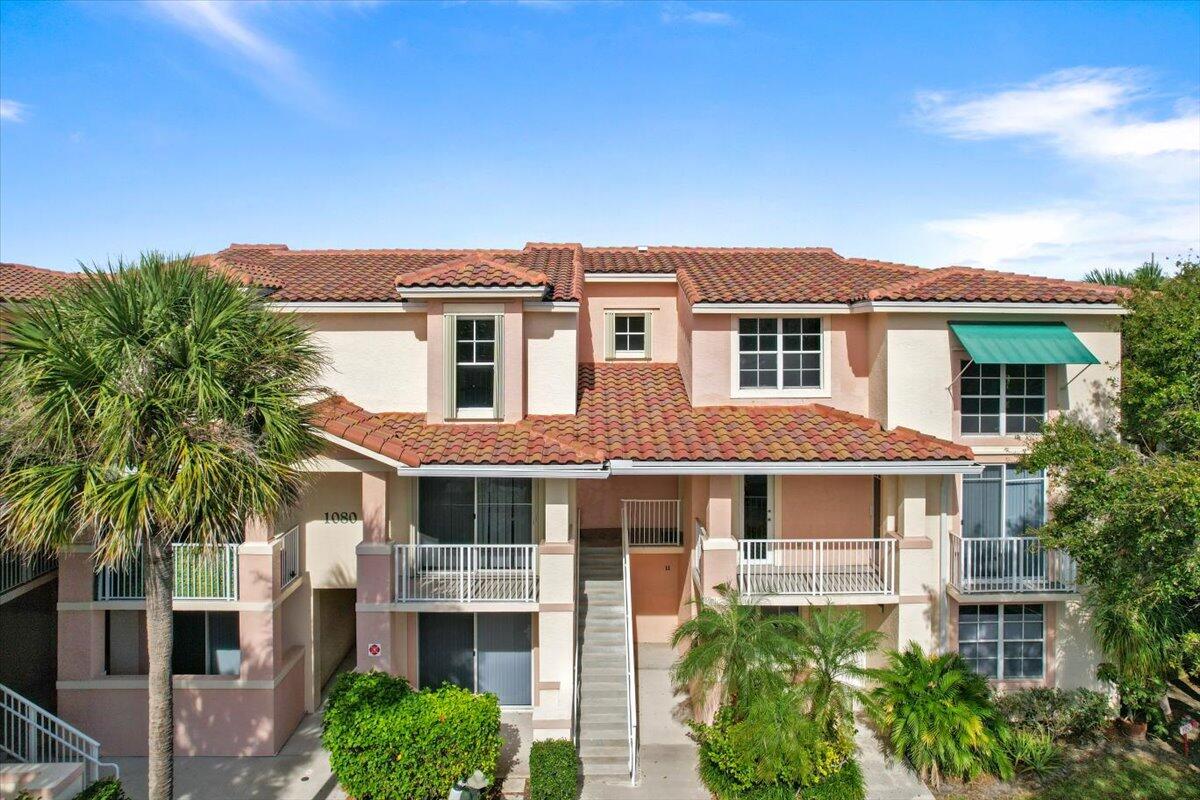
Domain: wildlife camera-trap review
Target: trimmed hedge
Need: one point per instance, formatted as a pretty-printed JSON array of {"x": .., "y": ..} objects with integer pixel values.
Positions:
[
  {"x": 107, "y": 789},
  {"x": 553, "y": 770},
  {"x": 388, "y": 742},
  {"x": 1076, "y": 714}
]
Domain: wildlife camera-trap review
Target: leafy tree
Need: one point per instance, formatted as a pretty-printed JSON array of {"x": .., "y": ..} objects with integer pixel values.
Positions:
[
  {"x": 146, "y": 405},
  {"x": 1160, "y": 381},
  {"x": 831, "y": 646},
  {"x": 735, "y": 648},
  {"x": 936, "y": 713}
]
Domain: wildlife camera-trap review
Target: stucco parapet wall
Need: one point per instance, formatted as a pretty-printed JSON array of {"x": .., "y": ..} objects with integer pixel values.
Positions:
[
  {"x": 375, "y": 548},
  {"x": 914, "y": 542},
  {"x": 437, "y": 607},
  {"x": 190, "y": 605},
  {"x": 720, "y": 543},
  {"x": 829, "y": 599},
  {"x": 294, "y": 656}
]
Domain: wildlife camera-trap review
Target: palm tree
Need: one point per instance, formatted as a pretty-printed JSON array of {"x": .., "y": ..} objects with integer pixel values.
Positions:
[
  {"x": 936, "y": 713},
  {"x": 150, "y": 404},
  {"x": 831, "y": 647},
  {"x": 733, "y": 646},
  {"x": 1149, "y": 275}
]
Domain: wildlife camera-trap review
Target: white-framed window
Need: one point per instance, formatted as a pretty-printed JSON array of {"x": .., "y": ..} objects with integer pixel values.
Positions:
[
  {"x": 475, "y": 366},
  {"x": 627, "y": 334},
  {"x": 786, "y": 356},
  {"x": 1004, "y": 642},
  {"x": 1002, "y": 399}
]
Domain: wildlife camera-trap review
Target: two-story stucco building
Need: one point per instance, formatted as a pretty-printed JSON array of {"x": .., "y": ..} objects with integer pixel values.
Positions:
[{"x": 538, "y": 458}]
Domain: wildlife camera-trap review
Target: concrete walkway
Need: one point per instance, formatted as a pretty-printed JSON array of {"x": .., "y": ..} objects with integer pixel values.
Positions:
[
  {"x": 885, "y": 778},
  {"x": 667, "y": 758}
]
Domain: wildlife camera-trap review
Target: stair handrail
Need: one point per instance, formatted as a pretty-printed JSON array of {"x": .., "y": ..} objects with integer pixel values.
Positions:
[
  {"x": 630, "y": 659},
  {"x": 45, "y": 738},
  {"x": 575, "y": 670}
]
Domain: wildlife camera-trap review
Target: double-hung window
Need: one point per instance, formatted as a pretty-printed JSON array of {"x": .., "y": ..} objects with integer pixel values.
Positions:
[
  {"x": 475, "y": 373},
  {"x": 1003, "y": 642},
  {"x": 779, "y": 353},
  {"x": 1002, "y": 399},
  {"x": 628, "y": 334}
]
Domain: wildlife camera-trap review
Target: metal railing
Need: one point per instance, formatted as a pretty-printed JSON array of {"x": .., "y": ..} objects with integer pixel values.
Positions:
[
  {"x": 1010, "y": 564},
  {"x": 651, "y": 523},
  {"x": 630, "y": 659},
  {"x": 16, "y": 571},
  {"x": 201, "y": 573},
  {"x": 576, "y": 668},
  {"x": 816, "y": 566},
  {"x": 30, "y": 734},
  {"x": 289, "y": 557},
  {"x": 466, "y": 572}
]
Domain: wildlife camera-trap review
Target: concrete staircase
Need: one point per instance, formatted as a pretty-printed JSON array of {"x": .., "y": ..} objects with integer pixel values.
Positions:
[{"x": 603, "y": 693}]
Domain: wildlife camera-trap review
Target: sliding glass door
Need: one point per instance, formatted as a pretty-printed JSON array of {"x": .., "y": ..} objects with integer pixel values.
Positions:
[
  {"x": 476, "y": 510},
  {"x": 481, "y": 652}
]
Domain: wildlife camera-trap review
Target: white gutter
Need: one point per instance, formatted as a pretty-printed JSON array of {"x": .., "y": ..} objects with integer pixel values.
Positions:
[
  {"x": 770, "y": 308},
  {"x": 508, "y": 470},
  {"x": 629, "y": 467},
  {"x": 557, "y": 306},
  {"x": 342, "y": 307}
]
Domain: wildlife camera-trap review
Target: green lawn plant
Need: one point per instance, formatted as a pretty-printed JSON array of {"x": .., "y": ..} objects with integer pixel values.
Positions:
[
  {"x": 832, "y": 648},
  {"x": 388, "y": 742},
  {"x": 1072, "y": 715},
  {"x": 553, "y": 770},
  {"x": 936, "y": 713}
]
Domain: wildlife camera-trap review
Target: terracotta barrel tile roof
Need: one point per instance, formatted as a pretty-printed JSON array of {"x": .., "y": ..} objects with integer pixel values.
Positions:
[
  {"x": 477, "y": 270},
  {"x": 969, "y": 284},
  {"x": 639, "y": 412},
  {"x": 19, "y": 282}
]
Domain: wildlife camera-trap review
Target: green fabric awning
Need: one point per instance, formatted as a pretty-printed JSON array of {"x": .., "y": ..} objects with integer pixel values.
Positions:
[{"x": 1022, "y": 343}]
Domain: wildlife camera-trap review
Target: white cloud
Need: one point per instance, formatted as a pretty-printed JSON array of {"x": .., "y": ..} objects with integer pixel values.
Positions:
[
  {"x": 222, "y": 26},
  {"x": 1084, "y": 113},
  {"x": 12, "y": 111},
  {"x": 679, "y": 13},
  {"x": 1141, "y": 173}
]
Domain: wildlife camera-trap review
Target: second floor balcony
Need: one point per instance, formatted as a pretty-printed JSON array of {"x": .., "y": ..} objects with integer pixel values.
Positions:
[
  {"x": 816, "y": 567},
  {"x": 466, "y": 573},
  {"x": 1010, "y": 564},
  {"x": 200, "y": 574}
]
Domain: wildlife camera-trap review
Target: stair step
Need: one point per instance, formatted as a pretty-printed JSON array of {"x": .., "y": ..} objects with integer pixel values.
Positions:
[
  {"x": 602, "y": 731},
  {"x": 616, "y": 748},
  {"x": 603, "y": 718},
  {"x": 601, "y": 765}
]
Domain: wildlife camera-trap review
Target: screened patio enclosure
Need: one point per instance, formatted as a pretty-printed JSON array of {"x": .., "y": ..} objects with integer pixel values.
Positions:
[{"x": 475, "y": 542}]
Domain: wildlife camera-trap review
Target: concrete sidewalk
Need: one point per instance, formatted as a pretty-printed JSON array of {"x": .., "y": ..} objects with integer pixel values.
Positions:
[{"x": 885, "y": 778}]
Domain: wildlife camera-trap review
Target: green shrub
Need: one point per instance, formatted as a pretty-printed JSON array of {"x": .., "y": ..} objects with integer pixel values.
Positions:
[
  {"x": 107, "y": 789},
  {"x": 1075, "y": 715},
  {"x": 774, "y": 751},
  {"x": 553, "y": 770},
  {"x": 1030, "y": 752},
  {"x": 388, "y": 742},
  {"x": 936, "y": 713},
  {"x": 845, "y": 784}
]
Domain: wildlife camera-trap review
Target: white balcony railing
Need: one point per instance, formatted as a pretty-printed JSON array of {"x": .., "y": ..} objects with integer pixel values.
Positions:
[
  {"x": 200, "y": 574},
  {"x": 466, "y": 572},
  {"x": 16, "y": 571},
  {"x": 1010, "y": 564},
  {"x": 651, "y": 523},
  {"x": 816, "y": 566},
  {"x": 289, "y": 557}
]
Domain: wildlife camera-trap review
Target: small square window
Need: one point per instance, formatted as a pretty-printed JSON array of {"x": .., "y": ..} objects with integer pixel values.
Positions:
[{"x": 630, "y": 335}]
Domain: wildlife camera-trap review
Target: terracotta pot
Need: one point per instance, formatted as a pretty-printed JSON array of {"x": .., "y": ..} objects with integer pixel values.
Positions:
[{"x": 1132, "y": 730}]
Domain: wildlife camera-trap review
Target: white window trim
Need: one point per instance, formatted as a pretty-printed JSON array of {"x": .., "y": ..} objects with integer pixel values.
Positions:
[
  {"x": 611, "y": 353},
  {"x": 1000, "y": 676},
  {"x": 1046, "y": 374},
  {"x": 450, "y": 352},
  {"x": 735, "y": 389}
]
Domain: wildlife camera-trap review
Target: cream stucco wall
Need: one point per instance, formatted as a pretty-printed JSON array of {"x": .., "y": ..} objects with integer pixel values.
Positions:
[
  {"x": 329, "y": 546},
  {"x": 375, "y": 360},
  {"x": 550, "y": 362}
]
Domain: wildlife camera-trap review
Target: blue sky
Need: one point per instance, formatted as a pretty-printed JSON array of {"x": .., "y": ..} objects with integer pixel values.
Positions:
[{"x": 1033, "y": 137}]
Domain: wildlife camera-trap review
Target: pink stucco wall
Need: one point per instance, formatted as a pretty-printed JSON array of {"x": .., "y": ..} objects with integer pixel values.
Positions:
[
  {"x": 658, "y": 298},
  {"x": 656, "y": 584},
  {"x": 825, "y": 506},
  {"x": 849, "y": 365},
  {"x": 683, "y": 348},
  {"x": 600, "y": 501}
]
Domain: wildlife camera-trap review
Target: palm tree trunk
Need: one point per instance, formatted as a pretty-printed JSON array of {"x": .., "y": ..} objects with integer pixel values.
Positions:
[{"x": 160, "y": 574}]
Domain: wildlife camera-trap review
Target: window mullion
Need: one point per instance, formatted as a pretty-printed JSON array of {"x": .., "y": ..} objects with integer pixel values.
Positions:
[{"x": 779, "y": 353}]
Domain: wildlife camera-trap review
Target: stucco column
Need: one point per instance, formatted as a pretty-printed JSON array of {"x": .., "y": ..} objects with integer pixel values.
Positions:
[
  {"x": 376, "y": 568},
  {"x": 720, "y": 551},
  {"x": 80, "y": 633},
  {"x": 555, "y": 629},
  {"x": 513, "y": 342},
  {"x": 918, "y": 565},
  {"x": 435, "y": 378}
]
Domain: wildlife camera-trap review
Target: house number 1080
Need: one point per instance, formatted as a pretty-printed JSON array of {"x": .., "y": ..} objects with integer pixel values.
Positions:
[{"x": 341, "y": 516}]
